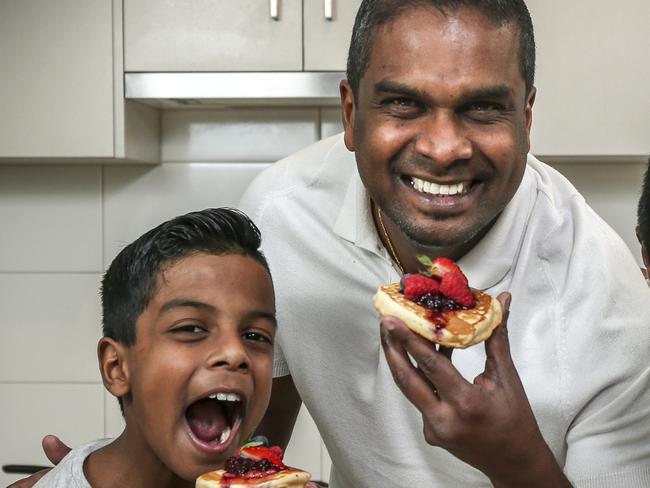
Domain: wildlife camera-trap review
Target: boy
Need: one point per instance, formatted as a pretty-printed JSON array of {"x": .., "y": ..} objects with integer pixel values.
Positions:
[
  {"x": 188, "y": 325},
  {"x": 643, "y": 222}
]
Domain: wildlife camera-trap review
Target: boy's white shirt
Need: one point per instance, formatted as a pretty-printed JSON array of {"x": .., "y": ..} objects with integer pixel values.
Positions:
[{"x": 69, "y": 472}]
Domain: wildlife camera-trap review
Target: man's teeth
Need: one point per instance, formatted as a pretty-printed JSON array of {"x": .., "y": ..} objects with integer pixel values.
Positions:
[
  {"x": 224, "y": 435},
  {"x": 225, "y": 397},
  {"x": 436, "y": 189}
]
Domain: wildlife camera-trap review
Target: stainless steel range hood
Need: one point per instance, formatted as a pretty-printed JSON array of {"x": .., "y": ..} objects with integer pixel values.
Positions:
[{"x": 174, "y": 90}]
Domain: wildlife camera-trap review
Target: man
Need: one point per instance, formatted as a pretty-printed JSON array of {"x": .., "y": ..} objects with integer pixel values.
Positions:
[
  {"x": 643, "y": 222},
  {"x": 437, "y": 111}
]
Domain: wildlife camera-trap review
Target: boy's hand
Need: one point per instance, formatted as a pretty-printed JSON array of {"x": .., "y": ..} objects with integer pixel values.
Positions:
[
  {"x": 55, "y": 450},
  {"x": 489, "y": 423}
]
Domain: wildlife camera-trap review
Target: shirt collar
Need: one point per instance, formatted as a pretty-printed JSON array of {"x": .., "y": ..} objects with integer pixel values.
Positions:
[
  {"x": 488, "y": 263},
  {"x": 485, "y": 265},
  {"x": 354, "y": 222}
]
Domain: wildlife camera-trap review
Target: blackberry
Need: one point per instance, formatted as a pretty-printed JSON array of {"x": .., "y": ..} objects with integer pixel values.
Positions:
[
  {"x": 241, "y": 465},
  {"x": 437, "y": 302},
  {"x": 449, "y": 304},
  {"x": 427, "y": 300}
]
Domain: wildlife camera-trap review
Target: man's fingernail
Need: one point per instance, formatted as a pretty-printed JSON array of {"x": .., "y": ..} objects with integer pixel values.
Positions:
[{"x": 387, "y": 324}]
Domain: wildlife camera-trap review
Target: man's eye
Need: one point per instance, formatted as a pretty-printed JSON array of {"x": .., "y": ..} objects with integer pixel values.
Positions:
[
  {"x": 402, "y": 106},
  {"x": 402, "y": 102},
  {"x": 257, "y": 337},
  {"x": 484, "y": 107}
]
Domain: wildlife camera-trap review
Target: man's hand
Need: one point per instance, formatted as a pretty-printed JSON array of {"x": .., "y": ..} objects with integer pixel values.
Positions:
[
  {"x": 488, "y": 423},
  {"x": 55, "y": 450}
]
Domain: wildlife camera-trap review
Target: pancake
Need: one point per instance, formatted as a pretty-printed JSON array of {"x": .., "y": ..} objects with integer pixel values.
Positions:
[
  {"x": 459, "y": 328},
  {"x": 287, "y": 478}
]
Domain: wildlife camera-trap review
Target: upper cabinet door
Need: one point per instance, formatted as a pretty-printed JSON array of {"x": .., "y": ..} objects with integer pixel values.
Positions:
[
  {"x": 212, "y": 35},
  {"x": 56, "y": 78},
  {"x": 593, "y": 74},
  {"x": 328, "y": 27}
]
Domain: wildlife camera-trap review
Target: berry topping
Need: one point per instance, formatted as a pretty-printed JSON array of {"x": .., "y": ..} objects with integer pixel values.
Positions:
[
  {"x": 254, "y": 461},
  {"x": 416, "y": 285},
  {"x": 454, "y": 286},
  {"x": 438, "y": 302},
  {"x": 439, "y": 267},
  {"x": 245, "y": 466},
  {"x": 273, "y": 454}
]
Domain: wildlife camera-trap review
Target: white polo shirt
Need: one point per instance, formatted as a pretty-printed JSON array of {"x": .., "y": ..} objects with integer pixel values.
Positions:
[{"x": 579, "y": 325}]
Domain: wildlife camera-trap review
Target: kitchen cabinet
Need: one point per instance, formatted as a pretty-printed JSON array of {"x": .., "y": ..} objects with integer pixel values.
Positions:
[
  {"x": 593, "y": 73},
  {"x": 246, "y": 35},
  {"x": 61, "y": 84},
  {"x": 212, "y": 35},
  {"x": 328, "y": 27}
]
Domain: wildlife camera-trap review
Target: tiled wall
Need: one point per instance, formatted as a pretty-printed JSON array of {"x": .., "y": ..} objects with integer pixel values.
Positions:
[{"x": 62, "y": 224}]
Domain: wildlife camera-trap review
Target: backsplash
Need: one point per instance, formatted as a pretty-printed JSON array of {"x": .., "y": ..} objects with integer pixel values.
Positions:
[{"x": 62, "y": 225}]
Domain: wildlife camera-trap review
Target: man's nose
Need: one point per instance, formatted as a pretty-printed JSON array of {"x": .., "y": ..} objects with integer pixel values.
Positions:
[
  {"x": 442, "y": 139},
  {"x": 229, "y": 352}
]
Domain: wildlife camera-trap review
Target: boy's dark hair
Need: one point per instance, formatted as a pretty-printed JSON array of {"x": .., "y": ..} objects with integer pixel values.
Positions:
[
  {"x": 643, "y": 210},
  {"x": 132, "y": 278},
  {"x": 374, "y": 13}
]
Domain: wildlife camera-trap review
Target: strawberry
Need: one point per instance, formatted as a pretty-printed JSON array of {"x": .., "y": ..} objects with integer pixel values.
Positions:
[
  {"x": 454, "y": 286},
  {"x": 415, "y": 285},
  {"x": 439, "y": 267},
  {"x": 272, "y": 454}
]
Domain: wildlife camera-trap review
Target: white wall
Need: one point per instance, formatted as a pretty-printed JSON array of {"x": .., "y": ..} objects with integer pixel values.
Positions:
[{"x": 62, "y": 224}]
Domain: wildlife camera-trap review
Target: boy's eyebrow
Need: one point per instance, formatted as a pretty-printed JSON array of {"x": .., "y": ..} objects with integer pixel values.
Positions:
[
  {"x": 489, "y": 92},
  {"x": 263, "y": 315},
  {"x": 185, "y": 302}
]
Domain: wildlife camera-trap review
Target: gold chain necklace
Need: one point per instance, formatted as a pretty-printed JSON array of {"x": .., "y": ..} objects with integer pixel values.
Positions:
[{"x": 391, "y": 249}]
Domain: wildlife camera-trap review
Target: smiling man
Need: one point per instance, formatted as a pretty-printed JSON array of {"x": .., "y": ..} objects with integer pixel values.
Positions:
[{"x": 437, "y": 111}]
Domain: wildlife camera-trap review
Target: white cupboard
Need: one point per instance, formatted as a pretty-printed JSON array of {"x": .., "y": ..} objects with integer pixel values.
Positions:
[
  {"x": 212, "y": 35},
  {"x": 246, "y": 35},
  {"x": 60, "y": 84},
  {"x": 328, "y": 27},
  {"x": 593, "y": 74}
]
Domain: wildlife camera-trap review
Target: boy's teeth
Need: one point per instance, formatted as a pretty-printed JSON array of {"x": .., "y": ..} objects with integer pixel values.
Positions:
[
  {"x": 225, "y": 397},
  {"x": 436, "y": 189},
  {"x": 224, "y": 435}
]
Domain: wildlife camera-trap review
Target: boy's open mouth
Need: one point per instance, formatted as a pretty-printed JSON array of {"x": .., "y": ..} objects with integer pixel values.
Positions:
[{"x": 214, "y": 419}]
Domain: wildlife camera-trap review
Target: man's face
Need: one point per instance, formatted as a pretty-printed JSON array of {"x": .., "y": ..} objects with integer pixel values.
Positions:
[
  {"x": 441, "y": 123},
  {"x": 208, "y": 331}
]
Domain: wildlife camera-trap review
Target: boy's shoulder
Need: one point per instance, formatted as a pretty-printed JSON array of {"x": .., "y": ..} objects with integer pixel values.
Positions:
[{"x": 69, "y": 472}]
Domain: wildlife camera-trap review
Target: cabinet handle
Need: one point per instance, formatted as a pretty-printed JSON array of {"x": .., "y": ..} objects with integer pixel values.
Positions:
[
  {"x": 327, "y": 6},
  {"x": 274, "y": 9}
]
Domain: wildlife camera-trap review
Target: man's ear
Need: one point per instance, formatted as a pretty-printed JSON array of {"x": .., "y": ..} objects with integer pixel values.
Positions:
[
  {"x": 348, "y": 108},
  {"x": 530, "y": 101},
  {"x": 113, "y": 366}
]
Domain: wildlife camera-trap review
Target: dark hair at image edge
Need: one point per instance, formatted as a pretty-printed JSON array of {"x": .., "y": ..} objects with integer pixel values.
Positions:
[
  {"x": 374, "y": 13},
  {"x": 643, "y": 210},
  {"x": 132, "y": 278}
]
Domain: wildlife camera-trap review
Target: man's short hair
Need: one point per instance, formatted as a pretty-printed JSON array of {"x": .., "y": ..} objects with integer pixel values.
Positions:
[
  {"x": 133, "y": 277},
  {"x": 643, "y": 210},
  {"x": 374, "y": 13}
]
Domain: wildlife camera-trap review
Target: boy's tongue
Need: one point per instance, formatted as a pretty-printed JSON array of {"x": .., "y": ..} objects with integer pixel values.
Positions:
[{"x": 207, "y": 419}]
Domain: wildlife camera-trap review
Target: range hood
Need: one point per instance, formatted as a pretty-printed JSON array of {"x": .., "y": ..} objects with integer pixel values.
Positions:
[{"x": 176, "y": 90}]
